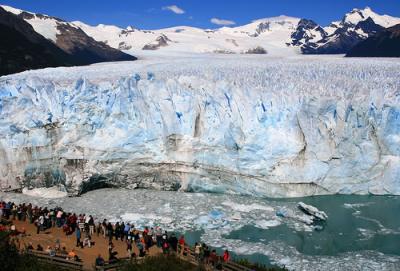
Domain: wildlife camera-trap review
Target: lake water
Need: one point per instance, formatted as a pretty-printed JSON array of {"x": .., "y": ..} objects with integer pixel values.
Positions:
[{"x": 362, "y": 232}]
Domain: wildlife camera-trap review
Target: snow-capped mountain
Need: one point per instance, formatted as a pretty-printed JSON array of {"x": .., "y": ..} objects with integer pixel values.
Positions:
[
  {"x": 277, "y": 35},
  {"x": 272, "y": 34},
  {"x": 280, "y": 35},
  {"x": 69, "y": 38},
  {"x": 340, "y": 37}
]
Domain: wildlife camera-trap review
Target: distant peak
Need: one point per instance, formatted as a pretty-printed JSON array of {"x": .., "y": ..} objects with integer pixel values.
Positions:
[
  {"x": 364, "y": 10},
  {"x": 279, "y": 18},
  {"x": 11, "y": 9}
]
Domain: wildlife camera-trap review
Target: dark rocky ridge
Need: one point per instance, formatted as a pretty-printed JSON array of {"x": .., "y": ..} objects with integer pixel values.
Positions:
[
  {"x": 384, "y": 44},
  {"x": 301, "y": 36},
  {"x": 343, "y": 39}
]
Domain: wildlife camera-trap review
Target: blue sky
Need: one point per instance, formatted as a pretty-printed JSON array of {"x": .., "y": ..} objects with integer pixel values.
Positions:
[{"x": 153, "y": 14}]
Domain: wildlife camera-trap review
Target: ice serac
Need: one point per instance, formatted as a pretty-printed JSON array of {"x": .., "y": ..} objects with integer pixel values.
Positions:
[{"x": 258, "y": 126}]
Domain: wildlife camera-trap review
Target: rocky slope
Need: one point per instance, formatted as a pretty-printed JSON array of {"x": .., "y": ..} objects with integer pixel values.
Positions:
[
  {"x": 22, "y": 48},
  {"x": 340, "y": 37},
  {"x": 383, "y": 44},
  {"x": 51, "y": 42}
]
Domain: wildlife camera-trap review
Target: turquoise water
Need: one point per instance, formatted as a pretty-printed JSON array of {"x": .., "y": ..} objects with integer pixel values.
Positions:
[{"x": 355, "y": 223}]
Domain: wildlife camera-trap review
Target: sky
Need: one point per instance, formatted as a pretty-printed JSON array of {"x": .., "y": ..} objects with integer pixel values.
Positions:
[{"x": 155, "y": 14}]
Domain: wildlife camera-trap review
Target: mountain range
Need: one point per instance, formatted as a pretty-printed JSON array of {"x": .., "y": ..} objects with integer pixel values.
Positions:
[{"x": 77, "y": 43}]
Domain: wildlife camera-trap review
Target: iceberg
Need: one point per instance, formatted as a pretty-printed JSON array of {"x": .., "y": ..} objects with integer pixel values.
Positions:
[
  {"x": 312, "y": 211},
  {"x": 259, "y": 126}
]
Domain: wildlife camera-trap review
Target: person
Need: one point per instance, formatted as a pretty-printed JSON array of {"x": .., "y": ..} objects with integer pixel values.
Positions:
[
  {"x": 110, "y": 248},
  {"x": 41, "y": 222},
  {"x": 104, "y": 227},
  {"x": 99, "y": 260},
  {"x": 30, "y": 246},
  {"x": 57, "y": 245},
  {"x": 72, "y": 256},
  {"x": 197, "y": 248},
  {"x": 37, "y": 226},
  {"x": 113, "y": 258},
  {"x": 148, "y": 241},
  {"x": 226, "y": 256},
  {"x": 87, "y": 242},
  {"x": 39, "y": 248},
  {"x": 50, "y": 251},
  {"x": 129, "y": 248},
  {"x": 58, "y": 218},
  {"x": 121, "y": 231},
  {"x": 165, "y": 247},
  {"x": 110, "y": 231},
  {"x": 78, "y": 237},
  {"x": 206, "y": 254},
  {"x": 127, "y": 229},
  {"x": 182, "y": 244},
  {"x": 213, "y": 257},
  {"x": 159, "y": 236},
  {"x": 64, "y": 251},
  {"x": 98, "y": 229},
  {"x": 13, "y": 230},
  {"x": 173, "y": 242},
  {"x": 140, "y": 247},
  {"x": 116, "y": 232}
]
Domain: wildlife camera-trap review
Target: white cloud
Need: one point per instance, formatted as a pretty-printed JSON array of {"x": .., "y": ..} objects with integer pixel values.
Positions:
[
  {"x": 222, "y": 21},
  {"x": 175, "y": 9}
]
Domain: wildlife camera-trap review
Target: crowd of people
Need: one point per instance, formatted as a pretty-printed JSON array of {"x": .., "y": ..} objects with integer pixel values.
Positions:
[{"x": 84, "y": 227}]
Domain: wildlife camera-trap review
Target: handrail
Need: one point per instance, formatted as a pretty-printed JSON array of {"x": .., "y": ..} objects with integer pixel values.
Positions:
[
  {"x": 57, "y": 260},
  {"x": 120, "y": 261}
]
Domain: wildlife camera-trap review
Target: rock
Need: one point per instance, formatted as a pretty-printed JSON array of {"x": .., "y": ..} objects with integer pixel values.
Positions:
[
  {"x": 161, "y": 41},
  {"x": 257, "y": 50}
]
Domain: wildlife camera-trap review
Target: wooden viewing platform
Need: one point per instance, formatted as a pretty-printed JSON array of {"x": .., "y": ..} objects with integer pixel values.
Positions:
[{"x": 87, "y": 255}]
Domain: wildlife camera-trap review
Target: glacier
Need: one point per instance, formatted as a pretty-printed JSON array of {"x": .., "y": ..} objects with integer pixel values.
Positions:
[{"x": 253, "y": 125}]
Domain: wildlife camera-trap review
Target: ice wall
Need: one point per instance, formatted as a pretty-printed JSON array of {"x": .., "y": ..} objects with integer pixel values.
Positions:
[{"x": 263, "y": 127}]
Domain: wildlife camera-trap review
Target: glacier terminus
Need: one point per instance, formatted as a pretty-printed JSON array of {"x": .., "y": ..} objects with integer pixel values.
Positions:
[{"x": 252, "y": 125}]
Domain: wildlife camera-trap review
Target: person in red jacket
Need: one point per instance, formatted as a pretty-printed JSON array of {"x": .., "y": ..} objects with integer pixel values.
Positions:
[
  {"x": 226, "y": 256},
  {"x": 182, "y": 244}
]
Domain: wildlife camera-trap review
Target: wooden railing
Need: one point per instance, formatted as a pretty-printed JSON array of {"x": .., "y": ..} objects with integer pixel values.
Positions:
[
  {"x": 59, "y": 260},
  {"x": 229, "y": 266},
  {"x": 120, "y": 262}
]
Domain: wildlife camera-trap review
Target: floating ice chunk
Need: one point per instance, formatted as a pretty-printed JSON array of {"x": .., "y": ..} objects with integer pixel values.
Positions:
[
  {"x": 44, "y": 192},
  {"x": 247, "y": 208},
  {"x": 147, "y": 219},
  {"x": 215, "y": 214},
  {"x": 236, "y": 216},
  {"x": 266, "y": 224},
  {"x": 313, "y": 211},
  {"x": 356, "y": 205},
  {"x": 202, "y": 220}
]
